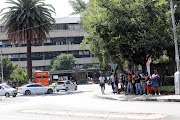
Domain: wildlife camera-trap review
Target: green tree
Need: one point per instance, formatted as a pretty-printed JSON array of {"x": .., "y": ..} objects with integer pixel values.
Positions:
[
  {"x": 127, "y": 29},
  {"x": 49, "y": 67},
  {"x": 27, "y": 21},
  {"x": 78, "y": 6},
  {"x": 19, "y": 76},
  {"x": 8, "y": 68},
  {"x": 64, "y": 62}
]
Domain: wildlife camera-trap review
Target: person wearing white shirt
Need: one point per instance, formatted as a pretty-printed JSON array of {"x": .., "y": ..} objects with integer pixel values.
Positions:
[
  {"x": 102, "y": 83},
  {"x": 112, "y": 81}
]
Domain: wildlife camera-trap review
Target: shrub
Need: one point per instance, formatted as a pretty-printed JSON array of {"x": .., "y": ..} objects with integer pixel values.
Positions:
[
  {"x": 166, "y": 90},
  {"x": 169, "y": 80}
]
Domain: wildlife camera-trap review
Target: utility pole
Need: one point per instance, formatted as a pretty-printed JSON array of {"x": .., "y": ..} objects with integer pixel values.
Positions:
[
  {"x": 175, "y": 35},
  {"x": 177, "y": 73},
  {"x": 2, "y": 67}
]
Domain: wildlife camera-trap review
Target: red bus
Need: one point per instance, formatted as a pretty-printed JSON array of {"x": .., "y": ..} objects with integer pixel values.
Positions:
[{"x": 42, "y": 77}]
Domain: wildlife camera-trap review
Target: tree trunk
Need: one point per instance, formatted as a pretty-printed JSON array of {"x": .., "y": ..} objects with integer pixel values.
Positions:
[
  {"x": 144, "y": 68},
  {"x": 29, "y": 61},
  {"x": 121, "y": 67}
]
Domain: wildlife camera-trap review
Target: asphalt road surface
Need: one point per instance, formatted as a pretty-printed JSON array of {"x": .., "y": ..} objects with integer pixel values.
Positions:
[{"x": 83, "y": 104}]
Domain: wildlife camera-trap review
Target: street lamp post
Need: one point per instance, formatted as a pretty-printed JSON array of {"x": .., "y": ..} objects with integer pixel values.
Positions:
[
  {"x": 177, "y": 73},
  {"x": 2, "y": 67}
]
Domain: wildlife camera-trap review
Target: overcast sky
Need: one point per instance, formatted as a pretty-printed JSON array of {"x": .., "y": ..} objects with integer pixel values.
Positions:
[{"x": 62, "y": 7}]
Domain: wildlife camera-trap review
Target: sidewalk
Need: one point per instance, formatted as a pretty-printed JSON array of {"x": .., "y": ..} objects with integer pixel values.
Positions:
[{"x": 123, "y": 97}]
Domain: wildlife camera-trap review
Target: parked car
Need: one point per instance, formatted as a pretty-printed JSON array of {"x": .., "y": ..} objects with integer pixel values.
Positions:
[
  {"x": 7, "y": 91},
  {"x": 35, "y": 88},
  {"x": 65, "y": 85}
]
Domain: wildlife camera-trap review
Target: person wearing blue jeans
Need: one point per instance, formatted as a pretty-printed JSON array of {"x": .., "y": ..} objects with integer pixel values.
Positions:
[
  {"x": 129, "y": 86},
  {"x": 138, "y": 84}
]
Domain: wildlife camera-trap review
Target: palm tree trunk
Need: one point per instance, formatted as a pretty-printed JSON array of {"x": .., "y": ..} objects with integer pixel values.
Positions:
[{"x": 29, "y": 61}]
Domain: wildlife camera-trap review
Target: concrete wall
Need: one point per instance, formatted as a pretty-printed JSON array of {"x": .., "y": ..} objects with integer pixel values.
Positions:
[
  {"x": 37, "y": 63},
  {"x": 14, "y": 50},
  {"x": 56, "y": 33}
]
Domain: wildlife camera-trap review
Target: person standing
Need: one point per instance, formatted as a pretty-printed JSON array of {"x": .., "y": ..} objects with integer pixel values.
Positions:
[
  {"x": 129, "y": 85},
  {"x": 143, "y": 83},
  {"x": 112, "y": 81},
  {"x": 138, "y": 84},
  {"x": 116, "y": 82},
  {"x": 102, "y": 83},
  {"x": 148, "y": 82},
  {"x": 108, "y": 80},
  {"x": 155, "y": 82},
  {"x": 122, "y": 82},
  {"x": 133, "y": 82}
]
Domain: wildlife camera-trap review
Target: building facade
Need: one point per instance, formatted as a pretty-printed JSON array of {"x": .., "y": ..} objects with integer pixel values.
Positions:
[{"x": 66, "y": 36}]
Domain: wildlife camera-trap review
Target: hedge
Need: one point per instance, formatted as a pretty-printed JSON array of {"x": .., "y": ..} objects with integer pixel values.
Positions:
[{"x": 166, "y": 90}]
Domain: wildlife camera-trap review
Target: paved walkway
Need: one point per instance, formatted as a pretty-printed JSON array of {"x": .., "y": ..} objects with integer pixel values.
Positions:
[{"x": 123, "y": 97}]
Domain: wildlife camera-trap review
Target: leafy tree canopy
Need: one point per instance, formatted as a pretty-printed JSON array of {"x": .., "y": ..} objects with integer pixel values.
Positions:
[
  {"x": 78, "y": 5},
  {"x": 127, "y": 29},
  {"x": 19, "y": 76},
  {"x": 63, "y": 62},
  {"x": 8, "y": 68}
]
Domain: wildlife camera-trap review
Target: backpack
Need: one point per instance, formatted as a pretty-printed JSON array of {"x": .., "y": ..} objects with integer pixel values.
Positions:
[{"x": 148, "y": 82}]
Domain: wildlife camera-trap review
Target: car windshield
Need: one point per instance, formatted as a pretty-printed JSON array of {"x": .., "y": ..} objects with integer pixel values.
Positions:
[{"x": 5, "y": 86}]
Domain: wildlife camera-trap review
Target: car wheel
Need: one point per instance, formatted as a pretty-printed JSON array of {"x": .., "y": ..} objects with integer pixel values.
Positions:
[
  {"x": 14, "y": 95},
  {"x": 27, "y": 92},
  {"x": 7, "y": 95},
  {"x": 67, "y": 89},
  {"x": 50, "y": 91},
  {"x": 57, "y": 90},
  {"x": 75, "y": 88}
]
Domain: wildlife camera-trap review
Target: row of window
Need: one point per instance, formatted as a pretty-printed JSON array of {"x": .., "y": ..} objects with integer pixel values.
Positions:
[
  {"x": 51, "y": 41},
  {"x": 77, "y": 66},
  {"x": 47, "y": 55},
  {"x": 62, "y": 27},
  {"x": 67, "y": 27}
]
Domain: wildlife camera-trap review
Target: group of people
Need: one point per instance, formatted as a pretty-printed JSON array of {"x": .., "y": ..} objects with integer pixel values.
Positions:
[{"x": 134, "y": 83}]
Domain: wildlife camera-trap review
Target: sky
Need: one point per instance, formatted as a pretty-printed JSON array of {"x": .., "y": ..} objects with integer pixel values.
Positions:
[{"x": 62, "y": 7}]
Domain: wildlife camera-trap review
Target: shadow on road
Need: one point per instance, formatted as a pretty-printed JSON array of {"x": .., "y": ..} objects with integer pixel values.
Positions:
[{"x": 54, "y": 94}]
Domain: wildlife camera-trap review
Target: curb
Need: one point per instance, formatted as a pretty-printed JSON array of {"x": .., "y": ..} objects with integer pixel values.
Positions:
[{"x": 138, "y": 99}]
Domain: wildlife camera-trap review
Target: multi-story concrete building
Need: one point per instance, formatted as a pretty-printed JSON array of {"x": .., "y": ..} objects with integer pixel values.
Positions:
[{"x": 66, "y": 36}]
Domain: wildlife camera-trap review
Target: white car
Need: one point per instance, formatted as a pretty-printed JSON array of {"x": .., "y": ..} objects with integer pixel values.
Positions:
[
  {"x": 65, "y": 85},
  {"x": 35, "y": 88},
  {"x": 7, "y": 91}
]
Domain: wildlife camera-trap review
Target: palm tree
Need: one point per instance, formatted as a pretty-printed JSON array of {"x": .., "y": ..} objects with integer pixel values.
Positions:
[{"x": 28, "y": 21}]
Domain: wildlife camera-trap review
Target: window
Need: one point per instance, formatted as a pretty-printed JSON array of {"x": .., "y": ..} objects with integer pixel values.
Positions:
[
  {"x": 23, "y": 55},
  {"x": 59, "y": 27},
  {"x": 1, "y": 29},
  {"x": 74, "y": 26},
  {"x": 84, "y": 52},
  {"x": 67, "y": 82},
  {"x": 60, "y": 83},
  {"x": 37, "y": 56},
  {"x": 58, "y": 41},
  {"x": 51, "y": 55},
  {"x": 80, "y": 52},
  {"x": 14, "y": 56},
  {"x": 42, "y": 77},
  {"x": 31, "y": 86},
  {"x": 35, "y": 85}
]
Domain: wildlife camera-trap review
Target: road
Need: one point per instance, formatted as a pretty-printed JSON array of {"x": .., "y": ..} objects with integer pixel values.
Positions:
[{"x": 83, "y": 104}]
